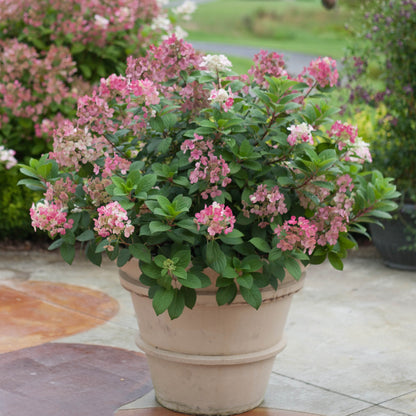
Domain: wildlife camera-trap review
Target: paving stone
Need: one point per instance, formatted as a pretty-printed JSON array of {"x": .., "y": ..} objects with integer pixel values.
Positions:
[
  {"x": 34, "y": 312},
  {"x": 59, "y": 379},
  {"x": 160, "y": 411}
]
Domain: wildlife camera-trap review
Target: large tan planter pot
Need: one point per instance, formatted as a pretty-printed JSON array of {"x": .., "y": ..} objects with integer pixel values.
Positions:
[{"x": 212, "y": 359}]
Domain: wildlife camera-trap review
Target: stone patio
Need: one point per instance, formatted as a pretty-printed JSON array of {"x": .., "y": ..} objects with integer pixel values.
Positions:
[{"x": 351, "y": 342}]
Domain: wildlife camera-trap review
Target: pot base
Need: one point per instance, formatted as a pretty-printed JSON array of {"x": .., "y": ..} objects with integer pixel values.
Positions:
[{"x": 210, "y": 385}]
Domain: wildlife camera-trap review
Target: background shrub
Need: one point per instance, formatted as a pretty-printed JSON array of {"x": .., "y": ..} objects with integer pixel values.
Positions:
[
  {"x": 52, "y": 52},
  {"x": 381, "y": 73}
]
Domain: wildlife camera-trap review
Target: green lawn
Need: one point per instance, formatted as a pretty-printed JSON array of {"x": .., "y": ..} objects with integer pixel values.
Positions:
[{"x": 287, "y": 25}]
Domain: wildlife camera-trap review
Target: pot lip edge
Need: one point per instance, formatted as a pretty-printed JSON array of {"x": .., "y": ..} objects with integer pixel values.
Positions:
[{"x": 210, "y": 360}]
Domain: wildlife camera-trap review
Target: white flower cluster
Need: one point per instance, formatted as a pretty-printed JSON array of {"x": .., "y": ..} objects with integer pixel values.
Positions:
[
  {"x": 216, "y": 63},
  {"x": 101, "y": 21},
  {"x": 7, "y": 157},
  {"x": 185, "y": 10}
]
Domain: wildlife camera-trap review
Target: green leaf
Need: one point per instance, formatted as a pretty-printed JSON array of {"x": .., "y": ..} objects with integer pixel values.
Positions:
[
  {"x": 86, "y": 236},
  {"x": 32, "y": 184},
  {"x": 293, "y": 267},
  {"x": 252, "y": 263},
  {"x": 93, "y": 256},
  {"x": 180, "y": 272},
  {"x": 150, "y": 270},
  {"x": 123, "y": 257},
  {"x": 226, "y": 294},
  {"x": 188, "y": 224},
  {"x": 229, "y": 273},
  {"x": 141, "y": 252},
  {"x": 28, "y": 171},
  {"x": 335, "y": 261},
  {"x": 192, "y": 281},
  {"x": 162, "y": 299},
  {"x": 246, "y": 280},
  {"x": 260, "y": 244},
  {"x": 158, "y": 227},
  {"x": 67, "y": 252},
  {"x": 178, "y": 304},
  {"x": 86, "y": 71},
  {"x": 56, "y": 244},
  {"x": 189, "y": 296},
  {"x": 215, "y": 258},
  {"x": 145, "y": 183},
  {"x": 252, "y": 296},
  {"x": 184, "y": 258}
]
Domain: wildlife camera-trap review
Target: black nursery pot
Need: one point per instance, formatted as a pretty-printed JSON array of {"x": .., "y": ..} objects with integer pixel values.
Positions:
[{"x": 391, "y": 240}]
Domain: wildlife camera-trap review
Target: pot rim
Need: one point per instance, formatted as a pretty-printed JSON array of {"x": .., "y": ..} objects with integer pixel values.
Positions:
[{"x": 210, "y": 360}]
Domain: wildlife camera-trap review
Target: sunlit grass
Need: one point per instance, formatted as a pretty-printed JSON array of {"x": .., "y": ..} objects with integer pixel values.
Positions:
[{"x": 298, "y": 26}]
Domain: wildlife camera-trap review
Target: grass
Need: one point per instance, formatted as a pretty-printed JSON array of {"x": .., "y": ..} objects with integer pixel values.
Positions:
[{"x": 287, "y": 25}]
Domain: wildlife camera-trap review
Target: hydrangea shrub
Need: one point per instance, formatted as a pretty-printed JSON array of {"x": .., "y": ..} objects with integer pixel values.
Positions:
[{"x": 162, "y": 172}]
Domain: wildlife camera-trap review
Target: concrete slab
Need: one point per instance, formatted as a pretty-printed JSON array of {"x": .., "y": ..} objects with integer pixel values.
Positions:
[
  {"x": 351, "y": 335},
  {"x": 353, "y": 332}
]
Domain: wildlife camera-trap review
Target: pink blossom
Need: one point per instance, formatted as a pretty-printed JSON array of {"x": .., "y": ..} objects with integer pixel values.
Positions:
[
  {"x": 60, "y": 192},
  {"x": 343, "y": 133},
  {"x": 265, "y": 204},
  {"x": 267, "y": 64},
  {"x": 223, "y": 98},
  {"x": 359, "y": 152},
  {"x": 50, "y": 217},
  {"x": 297, "y": 233},
  {"x": 113, "y": 221},
  {"x": 300, "y": 132},
  {"x": 323, "y": 71},
  {"x": 95, "y": 189},
  {"x": 217, "y": 217}
]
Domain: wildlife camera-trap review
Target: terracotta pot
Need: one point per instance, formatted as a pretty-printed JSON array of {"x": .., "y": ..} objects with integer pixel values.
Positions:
[{"x": 212, "y": 359}]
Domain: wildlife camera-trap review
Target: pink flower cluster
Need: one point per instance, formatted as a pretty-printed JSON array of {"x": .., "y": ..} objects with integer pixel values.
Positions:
[
  {"x": 224, "y": 98},
  {"x": 346, "y": 137},
  {"x": 324, "y": 226},
  {"x": 310, "y": 188},
  {"x": 113, "y": 221},
  {"x": 31, "y": 81},
  {"x": 265, "y": 204},
  {"x": 50, "y": 217},
  {"x": 60, "y": 192},
  {"x": 297, "y": 232},
  {"x": 217, "y": 217},
  {"x": 343, "y": 133},
  {"x": 166, "y": 62},
  {"x": 323, "y": 71},
  {"x": 86, "y": 21},
  {"x": 300, "y": 133},
  {"x": 95, "y": 189},
  {"x": 270, "y": 64},
  {"x": 7, "y": 157},
  {"x": 208, "y": 166},
  {"x": 75, "y": 146},
  {"x": 359, "y": 152}
]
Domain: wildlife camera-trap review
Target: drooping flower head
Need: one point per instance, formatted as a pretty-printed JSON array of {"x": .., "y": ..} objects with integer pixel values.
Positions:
[{"x": 50, "y": 217}]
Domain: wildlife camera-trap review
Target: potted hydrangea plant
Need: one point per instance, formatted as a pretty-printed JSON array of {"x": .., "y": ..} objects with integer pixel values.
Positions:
[{"x": 222, "y": 187}]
